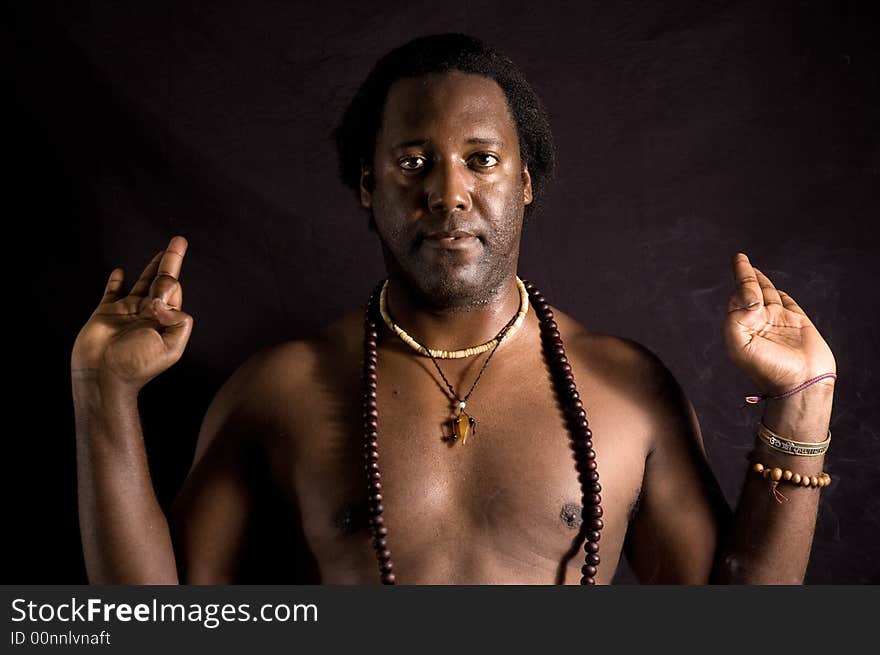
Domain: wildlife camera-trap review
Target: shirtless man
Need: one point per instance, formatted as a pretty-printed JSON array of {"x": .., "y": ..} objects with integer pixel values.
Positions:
[{"x": 452, "y": 153}]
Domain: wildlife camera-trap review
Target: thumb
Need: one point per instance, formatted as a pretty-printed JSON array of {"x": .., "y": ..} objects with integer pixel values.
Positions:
[{"x": 176, "y": 324}]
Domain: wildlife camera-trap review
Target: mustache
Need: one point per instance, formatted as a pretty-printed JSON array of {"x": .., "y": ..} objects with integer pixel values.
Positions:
[{"x": 455, "y": 227}]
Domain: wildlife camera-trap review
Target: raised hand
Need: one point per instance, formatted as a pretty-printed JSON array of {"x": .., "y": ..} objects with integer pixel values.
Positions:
[
  {"x": 130, "y": 339},
  {"x": 769, "y": 337}
]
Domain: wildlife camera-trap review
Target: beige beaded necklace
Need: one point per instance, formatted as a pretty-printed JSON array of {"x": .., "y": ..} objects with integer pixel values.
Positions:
[{"x": 454, "y": 354}]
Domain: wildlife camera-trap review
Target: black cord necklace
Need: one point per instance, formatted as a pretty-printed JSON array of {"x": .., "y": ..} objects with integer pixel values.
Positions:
[
  {"x": 566, "y": 392},
  {"x": 464, "y": 423}
]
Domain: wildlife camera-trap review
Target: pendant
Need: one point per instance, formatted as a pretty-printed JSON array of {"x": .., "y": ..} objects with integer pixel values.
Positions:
[{"x": 462, "y": 426}]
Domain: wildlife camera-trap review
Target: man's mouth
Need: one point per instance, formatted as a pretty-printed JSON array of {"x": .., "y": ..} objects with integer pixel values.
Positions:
[{"x": 454, "y": 240}]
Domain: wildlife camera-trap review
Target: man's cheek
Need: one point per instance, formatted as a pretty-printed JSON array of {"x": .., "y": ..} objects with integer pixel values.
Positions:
[{"x": 392, "y": 234}]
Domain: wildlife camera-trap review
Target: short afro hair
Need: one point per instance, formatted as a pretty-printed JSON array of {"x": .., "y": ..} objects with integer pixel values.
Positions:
[{"x": 355, "y": 136}]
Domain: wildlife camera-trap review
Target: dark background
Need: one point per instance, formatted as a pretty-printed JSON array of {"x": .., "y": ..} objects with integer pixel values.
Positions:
[{"x": 686, "y": 131}]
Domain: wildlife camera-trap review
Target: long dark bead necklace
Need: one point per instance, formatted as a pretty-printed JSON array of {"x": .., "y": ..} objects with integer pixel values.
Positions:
[{"x": 576, "y": 420}]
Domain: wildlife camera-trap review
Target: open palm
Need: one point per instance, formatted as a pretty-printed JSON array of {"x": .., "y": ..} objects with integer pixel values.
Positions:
[{"x": 769, "y": 337}]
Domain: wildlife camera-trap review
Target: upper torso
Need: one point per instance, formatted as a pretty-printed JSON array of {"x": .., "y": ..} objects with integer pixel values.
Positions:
[{"x": 501, "y": 508}]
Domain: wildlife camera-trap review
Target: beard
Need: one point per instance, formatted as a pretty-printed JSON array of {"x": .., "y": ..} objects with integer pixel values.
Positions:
[
  {"x": 446, "y": 286},
  {"x": 453, "y": 280}
]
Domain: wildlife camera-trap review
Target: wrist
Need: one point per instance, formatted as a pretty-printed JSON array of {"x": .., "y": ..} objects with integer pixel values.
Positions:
[
  {"x": 803, "y": 416},
  {"x": 96, "y": 391}
]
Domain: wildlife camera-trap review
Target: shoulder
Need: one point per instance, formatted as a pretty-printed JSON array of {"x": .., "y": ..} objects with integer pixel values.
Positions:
[
  {"x": 632, "y": 374},
  {"x": 262, "y": 389},
  {"x": 631, "y": 366},
  {"x": 292, "y": 363}
]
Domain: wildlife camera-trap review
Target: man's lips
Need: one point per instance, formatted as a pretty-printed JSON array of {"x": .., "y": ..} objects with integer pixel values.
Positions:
[
  {"x": 454, "y": 240},
  {"x": 454, "y": 234}
]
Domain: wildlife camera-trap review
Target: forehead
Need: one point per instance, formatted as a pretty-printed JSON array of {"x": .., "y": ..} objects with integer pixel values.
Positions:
[{"x": 447, "y": 105}]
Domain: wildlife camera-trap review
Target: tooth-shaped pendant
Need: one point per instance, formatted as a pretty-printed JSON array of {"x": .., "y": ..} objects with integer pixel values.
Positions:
[{"x": 462, "y": 426}]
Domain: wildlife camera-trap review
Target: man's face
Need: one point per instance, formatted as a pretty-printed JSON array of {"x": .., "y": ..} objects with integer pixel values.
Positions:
[{"x": 448, "y": 189}]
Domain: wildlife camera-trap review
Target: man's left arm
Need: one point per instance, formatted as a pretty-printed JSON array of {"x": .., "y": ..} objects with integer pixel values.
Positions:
[
  {"x": 773, "y": 342},
  {"x": 684, "y": 532},
  {"x": 770, "y": 538}
]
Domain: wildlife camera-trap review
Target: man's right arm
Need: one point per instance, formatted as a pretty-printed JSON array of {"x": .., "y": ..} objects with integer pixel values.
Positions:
[
  {"x": 127, "y": 341},
  {"x": 125, "y": 536}
]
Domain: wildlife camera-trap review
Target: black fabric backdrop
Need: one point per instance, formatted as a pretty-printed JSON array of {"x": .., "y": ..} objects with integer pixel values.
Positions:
[{"x": 686, "y": 131}]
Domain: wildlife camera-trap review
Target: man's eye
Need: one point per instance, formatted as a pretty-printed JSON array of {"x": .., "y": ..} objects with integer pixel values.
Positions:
[
  {"x": 411, "y": 163},
  {"x": 484, "y": 160}
]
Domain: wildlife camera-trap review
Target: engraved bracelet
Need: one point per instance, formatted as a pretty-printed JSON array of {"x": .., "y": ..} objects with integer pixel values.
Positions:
[{"x": 789, "y": 447}]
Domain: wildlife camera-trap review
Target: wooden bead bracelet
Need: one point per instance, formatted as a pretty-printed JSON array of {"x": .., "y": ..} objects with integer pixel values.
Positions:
[{"x": 777, "y": 475}]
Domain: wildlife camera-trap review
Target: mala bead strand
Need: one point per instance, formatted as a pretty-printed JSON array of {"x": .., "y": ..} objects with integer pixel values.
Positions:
[
  {"x": 371, "y": 443},
  {"x": 576, "y": 418},
  {"x": 579, "y": 429}
]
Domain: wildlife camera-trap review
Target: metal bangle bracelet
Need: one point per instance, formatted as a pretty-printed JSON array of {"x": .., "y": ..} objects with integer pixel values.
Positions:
[{"x": 790, "y": 447}]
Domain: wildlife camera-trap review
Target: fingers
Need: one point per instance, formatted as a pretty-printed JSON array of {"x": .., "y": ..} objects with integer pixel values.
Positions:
[
  {"x": 113, "y": 290},
  {"x": 771, "y": 295},
  {"x": 142, "y": 286},
  {"x": 165, "y": 285},
  {"x": 177, "y": 327},
  {"x": 172, "y": 259},
  {"x": 748, "y": 294},
  {"x": 789, "y": 303},
  {"x": 168, "y": 290},
  {"x": 165, "y": 263}
]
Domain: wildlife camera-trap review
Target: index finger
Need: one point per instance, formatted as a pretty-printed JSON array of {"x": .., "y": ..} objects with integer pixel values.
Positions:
[
  {"x": 172, "y": 259},
  {"x": 750, "y": 290}
]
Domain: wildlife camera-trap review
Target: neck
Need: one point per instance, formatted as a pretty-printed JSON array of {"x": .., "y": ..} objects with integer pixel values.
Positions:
[{"x": 454, "y": 327}]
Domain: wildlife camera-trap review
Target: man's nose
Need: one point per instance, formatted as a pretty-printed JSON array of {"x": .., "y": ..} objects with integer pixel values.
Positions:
[{"x": 448, "y": 187}]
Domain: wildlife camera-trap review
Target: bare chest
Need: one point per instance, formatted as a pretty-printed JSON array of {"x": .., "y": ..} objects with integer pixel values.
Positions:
[{"x": 502, "y": 508}]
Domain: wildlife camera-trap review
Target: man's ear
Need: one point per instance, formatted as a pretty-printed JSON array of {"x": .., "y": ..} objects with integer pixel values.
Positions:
[
  {"x": 527, "y": 186},
  {"x": 367, "y": 185}
]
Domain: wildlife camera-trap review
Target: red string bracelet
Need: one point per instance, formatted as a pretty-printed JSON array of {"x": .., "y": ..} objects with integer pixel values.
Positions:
[{"x": 751, "y": 400}]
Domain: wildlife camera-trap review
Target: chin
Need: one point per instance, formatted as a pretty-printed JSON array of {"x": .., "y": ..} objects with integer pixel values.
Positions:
[{"x": 451, "y": 287}]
